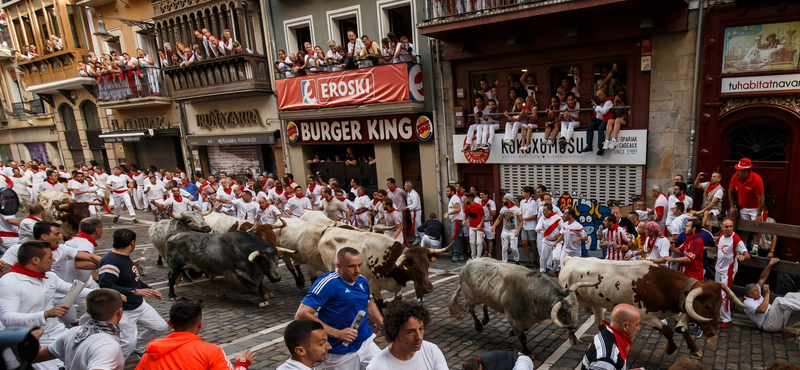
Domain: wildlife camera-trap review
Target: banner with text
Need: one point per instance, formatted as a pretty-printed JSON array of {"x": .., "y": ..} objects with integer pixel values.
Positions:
[
  {"x": 771, "y": 83},
  {"x": 631, "y": 150},
  {"x": 388, "y": 83},
  {"x": 396, "y": 127}
]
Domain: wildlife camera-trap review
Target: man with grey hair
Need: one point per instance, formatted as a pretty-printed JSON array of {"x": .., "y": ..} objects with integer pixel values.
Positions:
[
  {"x": 660, "y": 208},
  {"x": 414, "y": 208},
  {"x": 333, "y": 56},
  {"x": 769, "y": 317}
]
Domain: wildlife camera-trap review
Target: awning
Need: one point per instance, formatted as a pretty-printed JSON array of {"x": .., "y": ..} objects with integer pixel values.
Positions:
[
  {"x": 203, "y": 140},
  {"x": 122, "y": 137},
  {"x": 68, "y": 84}
]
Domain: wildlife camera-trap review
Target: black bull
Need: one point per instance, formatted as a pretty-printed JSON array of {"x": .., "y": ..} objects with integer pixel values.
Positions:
[{"x": 240, "y": 254}]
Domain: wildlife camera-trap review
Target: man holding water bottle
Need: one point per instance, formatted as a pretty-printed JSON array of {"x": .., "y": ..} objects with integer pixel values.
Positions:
[{"x": 342, "y": 302}]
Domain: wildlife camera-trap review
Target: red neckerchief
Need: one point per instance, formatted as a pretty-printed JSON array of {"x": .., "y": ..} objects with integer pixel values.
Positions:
[
  {"x": 393, "y": 188},
  {"x": 178, "y": 198},
  {"x": 510, "y": 206},
  {"x": 681, "y": 198},
  {"x": 26, "y": 271},
  {"x": 623, "y": 342},
  {"x": 613, "y": 228},
  {"x": 52, "y": 183},
  {"x": 32, "y": 217},
  {"x": 263, "y": 208},
  {"x": 484, "y": 202},
  {"x": 311, "y": 188},
  {"x": 228, "y": 190},
  {"x": 573, "y": 105},
  {"x": 81, "y": 182},
  {"x": 375, "y": 202},
  {"x": 55, "y": 248},
  {"x": 460, "y": 195},
  {"x": 764, "y": 215},
  {"x": 651, "y": 242},
  {"x": 203, "y": 185},
  {"x": 711, "y": 187},
  {"x": 300, "y": 196},
  {"x": 16, "y": 176},
  {"x": 86, "y": 236},
  {"x": 480, "y": 109},
  {"x": 391, "y": 209},
  {"x": 328, "y": 199},
  {"x": 239, "y": 196},
  {"x": 278, "y": 190}
]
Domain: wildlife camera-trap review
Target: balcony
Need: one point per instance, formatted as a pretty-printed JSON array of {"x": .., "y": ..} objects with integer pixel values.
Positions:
[
  {"x": 27, "y": 108},
  {"x": 235, "y": 74},
  {"x": 147, "y": 91},
  {"x": 56, "y": 71}
]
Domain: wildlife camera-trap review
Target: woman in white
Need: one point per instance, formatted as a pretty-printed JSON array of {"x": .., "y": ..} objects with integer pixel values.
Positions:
[
  {"x": 147, "y": 63},
  {"x": 527, "y": 129},
  {"x": 514, "y": 123},
  {"x": 163, "y": 61},
  {"x": 134, "y": 73}
]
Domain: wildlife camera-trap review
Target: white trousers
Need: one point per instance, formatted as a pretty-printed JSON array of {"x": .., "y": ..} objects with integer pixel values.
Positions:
[
  {"x": 476, "y": 241},
  {"x": 137, "y": 197},
  {"x": 560, "y": 253},
  {"x": 487, "y": 136},
  {"x": 120, "y": 199},
  {"x": 567, "y": 128},
  {"x": 727, "y": 279},
  {"x": 780, "y": 310},
  {"x": 357, "y": 360},
  {"x": 416, "y": 220},
  {"x": 545, "y": 252},
  {"x": 509, "y": 242},
  {"x": 146, "y": 316},
  {"x": 475, "y": 130},
  {"x": 427, "y": 242},
  {"x": 512, "y": 128}
]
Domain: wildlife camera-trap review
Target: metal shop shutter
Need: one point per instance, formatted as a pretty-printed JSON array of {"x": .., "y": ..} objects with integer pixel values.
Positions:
[
  {"x": 590, "y": 182},
  {"x": 235, "y": 160}
]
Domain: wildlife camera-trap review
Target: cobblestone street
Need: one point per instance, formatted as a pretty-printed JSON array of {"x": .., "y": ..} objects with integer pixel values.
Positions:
[{"x": 235, "y": 322}]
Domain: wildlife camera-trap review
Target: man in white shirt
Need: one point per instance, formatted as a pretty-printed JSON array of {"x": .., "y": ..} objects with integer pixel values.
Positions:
[
  {"x": 140, "y": 199},
  {"x": 308, "y": 345},
  {"x": 354, "y": 48},
  {"x": 95, "y": 344},
  {"x": 679, "y": 195},
  {"x": 679, "y": 220},
  {"x": 393, "y": 219},
  {"x": 267, "y": 213},
  {"x": 246, "y": 208},
  {"x": 9, "y": 231},
  {"x": 549, "y": 226},
  {"x": 121, "y": 186},
  {"x": 362, "y": 205},
  {"x": 656, "y": 245},
  {"x": 226, "y": 192},
  {"x": 404, "y": 328},
  {"x": 643, "y": 212},
  {"x": 730, "y": 250},
  {"x": 83, "y": 191},
  {"x": 36, "y": 214},
  {"x": 333, "y": 207},
  {"x": 27, "y": 295},
  {"x": 414, "y": 207},
  {"x": 529, "y": 207},
  {"x": 36, "y": 176},
  {"x": 178, "y": 202},
  {"x": 455, "y": 215},
  {"x": 769, "y": 317},
  {"x": 478, "y": 126},
  {"x": 297, "y": 204},
  {"x": 571, "y": 238},
  {"x": 51, "y": 183},
  {"x": 713, "y": 195},
  {"x": 405, "y": 51},
  {"x": 603, "y": 114},
  {"x": 22, "y": 187},
  {"x": 511, "y": 218}
]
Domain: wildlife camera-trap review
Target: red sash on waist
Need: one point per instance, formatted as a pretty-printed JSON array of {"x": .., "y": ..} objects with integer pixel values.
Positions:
[
  {"x": 9, "y": 234},
  {"x": 120, "y": 191}
]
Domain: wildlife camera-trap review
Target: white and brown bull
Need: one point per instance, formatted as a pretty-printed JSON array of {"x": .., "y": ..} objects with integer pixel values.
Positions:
[
  {"x": 657, "y": 291},
  {"x": 525, "y": 298},
  {"x": 59, "y": 206},
  {"x": 222, "y": 223}
]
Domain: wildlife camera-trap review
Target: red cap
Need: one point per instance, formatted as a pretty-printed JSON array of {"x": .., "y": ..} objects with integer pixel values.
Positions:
[{"x": 744, "y": 164}]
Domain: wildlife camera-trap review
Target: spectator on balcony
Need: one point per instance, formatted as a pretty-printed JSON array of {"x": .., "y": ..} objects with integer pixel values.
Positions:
[
  {"x": 528, "y": 82},
  {"x": 19, "y": 57},
  {"x": 607, "y": 82},
  {"x": 515, "y": 122},
  {"x": 284, "y": 64},
  {"x": 147, "y": 63},
  {"x": 214, "y": 47},
  {"x": 576, "y": 76},
  {"x": 478, "y": 124},
  {"x": 569, "y": 119},
  {"x": 603, "y": 114},
  {"x": 615, "y": 124},
  {"x": 163, "y": 60},
  {"x": 197, "y": 55},
  {"x": 512, "y": 97},
  {"x": 33, "y": 51},
  {"x": 333, "y": 57},
  {"x": 354, "y": 48},
  {"x": 551, "y": 126},
  {"x": 437, "y": 10},
  {"x": 371, "y": 54},
  {"x": 299, "y": 64},
  {"x": 133, "y": 74},
  {"x": 237, "y": 48},
  {"x": 529, "y": 109},
  {"x": 184, "y": 53},
  {"x": 568, "y": 88},
  {"x": 84, "y": 70},
  {"x": 228, "y": 41},
  {"x": 310, "y": 62},
  {"x": 48, "y": 46},
  {"x": 58, "y": 43},
  {"x": 168, "y": 52},
  {"x": 486, "y": 137},
  {"x": 518, "y": 89},
  {"x": 405, "y": 52},
  {"x": 561, "y": 93},
  {"x": 200, "y": 38},
  {"x": 93, "y": 57},
  {"x": 119, "y": 88},
  {"x": 393, "y": 41},
  {"x": 388, "y": 52},
  {"x": 319, "y": 55},
  {"x": 484, "y": 90}
]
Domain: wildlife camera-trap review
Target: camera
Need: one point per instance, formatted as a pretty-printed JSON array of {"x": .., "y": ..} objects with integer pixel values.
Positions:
[
  {"x": 589, "y": 101},
  {"x": 22, "y": 344}
]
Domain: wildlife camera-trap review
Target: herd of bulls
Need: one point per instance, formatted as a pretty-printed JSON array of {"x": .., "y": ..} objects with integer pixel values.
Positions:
[{"x": 220, "y": 245}]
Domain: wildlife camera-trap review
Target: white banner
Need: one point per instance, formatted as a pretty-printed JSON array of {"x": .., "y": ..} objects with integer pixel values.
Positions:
[
  {"x": 631, "y": 150},
  {"x": 740, "y": 85}
]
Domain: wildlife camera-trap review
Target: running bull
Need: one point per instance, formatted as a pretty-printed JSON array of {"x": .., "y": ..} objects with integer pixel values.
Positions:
[
  {"x": 239, "y": 254},
  {"x": 659, "y": 293},
  {"x": 162, "y": 230},
  {"x": 525, "y": 298},
  {"x": 59, "y": 206}
]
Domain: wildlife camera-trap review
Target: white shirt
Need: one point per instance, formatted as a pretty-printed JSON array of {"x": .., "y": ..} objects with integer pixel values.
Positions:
[
  {"x": 687, "y": 203},
  {"x": 529, "y": 208},
  {"x": 5, "y": 226},
  {"x": 509, "y": 216},
  {"x": 556, "y": 210},
  {"x": 246, "y": 211},
  {"x": 296, "y": 206},
  {"x": 429, "y": 357},
  {"x": 71, "y": 273},
  {"x": 269, "y": 215},
  {"x": 398, "y": 197},
  {"x": 99, "y": 351},
  {"x": 154, "y": 191},
  {"x": 139, "y": 178},
  {"x": 412, "y": 201},
  {"x": 750, "y": 306},
  {"x": 727, "y": 252},
  {"x": 677, "y": 224},
  {"x": 85, "y": 186},
  {"x": 571, "y": 233},
  {"x": 487, "y": 208},
  {"x": 451, "y": 206},
  {"x": 405, "y": 56},
  {"x": 26, "y": 229},
  {"x": 64, "y": 257},
  {"x": 293, "y": 365},
  {"x": 644, "y": 215},
  {"x": 48, "y": 186},
  {"x": 37, "y": 177},
  {"x": 21, "y": 184},
  {"x": 546, "y": 223},
  {"x": 362, "y": 202},
  {"x": 118, "y": 183},
  {"x": 352, "y": 49},
  {"x": 178, "y": 207},
  {"x": 660, "y": 248},
  {"x": 719, "y": 193},
  {"x": 23, "y": 300}
]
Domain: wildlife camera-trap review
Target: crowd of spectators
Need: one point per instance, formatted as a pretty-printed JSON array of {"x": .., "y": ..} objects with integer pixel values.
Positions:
[
  {"x": 448, "y": 8},
  {"x": 53, "y": 44},
  {"x": 358, "y": 53},
  {"x": 349, "y": 158}
]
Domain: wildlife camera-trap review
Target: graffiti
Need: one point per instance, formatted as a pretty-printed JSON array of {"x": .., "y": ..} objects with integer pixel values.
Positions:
[{"x": 590, "y": 215}]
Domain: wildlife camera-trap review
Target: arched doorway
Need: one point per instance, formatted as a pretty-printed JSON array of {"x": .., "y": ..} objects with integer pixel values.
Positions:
[
  {"x": 71, "y": 133},
  {"x": 767, "y": 135}
]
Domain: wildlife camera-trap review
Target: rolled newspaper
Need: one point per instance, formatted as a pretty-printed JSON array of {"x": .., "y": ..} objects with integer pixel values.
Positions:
[
  {"x": 74, "y": 291},
  {"x": 356, "y": 323}
]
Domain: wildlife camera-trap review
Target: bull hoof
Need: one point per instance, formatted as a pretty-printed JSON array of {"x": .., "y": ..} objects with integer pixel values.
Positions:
[
  {"x": 485, "y": 321},
  {"x": 573, "y": 340},
  {"x": 301, "y": 286},
  {"x": 478, "y": 327},
  {"x": 526, "y": 351},
  {"x": 271, "y": 295},
  {"x": 697, "y": 353},
  {"x": 263, "y": 304},
  {"x": 671, "y": 348}
]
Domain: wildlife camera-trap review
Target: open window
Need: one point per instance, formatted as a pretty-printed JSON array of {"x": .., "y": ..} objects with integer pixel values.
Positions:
[
  {"x": 397, "y": 16},
  {"x": 616, "y": 82},
  {"x": 343, "y": 20},
  {"x": 298, "y": 31}
]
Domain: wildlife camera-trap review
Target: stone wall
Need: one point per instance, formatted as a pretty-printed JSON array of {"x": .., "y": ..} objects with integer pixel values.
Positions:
[{"x": 671, "y": 93}]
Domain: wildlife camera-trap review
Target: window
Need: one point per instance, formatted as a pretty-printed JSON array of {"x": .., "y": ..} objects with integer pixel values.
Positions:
[
  {"x": 340, "y": 21},
  {"x": 298, "y": 31},
  {"x": 398, "y": 16},
  {"x": 68, "y": 117},
  {"x": 90, "y": 117},
  {"x": 146, "y": 42},
  {"x": 616, "y": 83},
  {"x": 113, "y": 44},
  {"x": 400, "y": 22}
]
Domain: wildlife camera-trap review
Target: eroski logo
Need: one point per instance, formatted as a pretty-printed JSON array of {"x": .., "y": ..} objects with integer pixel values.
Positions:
[{"x": 307, "y": 88}]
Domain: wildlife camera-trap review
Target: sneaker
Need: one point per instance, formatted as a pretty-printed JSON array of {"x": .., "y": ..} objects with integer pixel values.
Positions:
[
  {"x": 562, "y": 142},
  {"x": 461, "y": 258},
  {"x": 600, "y": 151},
  {"x": 613, "y": 144},
  {"x": 454, "y": 259},
  {"x": 488, "y": 146},
  {"x": 508, "y": 142},
  {"x": 587, "y": 149},
  {"x": 155, "y": 219},
  {"x": 135, "y": 221},
  {"x": 465, "y": 149},
  {"x": 477, "y": 149},
  {"x": 606, "y": 144},
  {"x": 116, "y": 218},
  {"x": 697, "y": 332},
  {"x": 725, "y": 325}
]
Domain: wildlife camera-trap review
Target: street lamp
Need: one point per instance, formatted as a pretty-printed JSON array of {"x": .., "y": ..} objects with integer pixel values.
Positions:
[{"x": 101, "y": 26}]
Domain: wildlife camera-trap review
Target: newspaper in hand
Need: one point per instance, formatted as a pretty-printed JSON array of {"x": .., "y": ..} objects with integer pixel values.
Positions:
[
  {"x": 356, "y": 323},
  {"x": 74, "y": 291}
]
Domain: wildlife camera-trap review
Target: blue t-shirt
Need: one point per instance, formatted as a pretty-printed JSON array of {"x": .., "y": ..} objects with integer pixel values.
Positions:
[
  {"x": 337, "y": 304},
  {"x": 192, "y": 189}
]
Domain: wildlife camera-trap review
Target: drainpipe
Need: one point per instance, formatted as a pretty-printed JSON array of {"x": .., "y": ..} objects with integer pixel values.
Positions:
[
  {"x": 441, "y": 134},
  {"x": 272, "y": 50},
  {"x": 695, "y": 92},
  {"x": 187, "y": 154}
]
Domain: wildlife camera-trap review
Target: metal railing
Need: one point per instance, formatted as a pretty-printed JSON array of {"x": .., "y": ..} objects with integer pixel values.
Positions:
[
  {"x": 284, "y": 73},
  {"x": 134, "y": 84},
  {"x": 500, "y": 115},
  {"x": 31, "y": 107},
  {"x": 225, "y": 70},
  {"x": 447, "y": 9}
]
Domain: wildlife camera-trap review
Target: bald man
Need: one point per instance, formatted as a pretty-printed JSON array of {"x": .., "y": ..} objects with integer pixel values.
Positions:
[{"x": 610, "y": 347}]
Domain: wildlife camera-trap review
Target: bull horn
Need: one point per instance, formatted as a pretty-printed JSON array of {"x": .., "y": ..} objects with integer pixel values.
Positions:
[
  {"x": 204, "y": 214},
  {"x": 283, "y": 224},
  {"x": 442, "y": 250},
  {"x": 400, "y": 260},
  {"x": 554, "y": 314},
  {"x": 94, "y": 203},
  {"x": 690, "y": 305},
  {"x": 285, "y": 250},
  {"x": 378, "y": 228},
  {"x": 177, "y": 217},
  {"x": 253, "y": 229},
  {"x": 63, "y": 207},
  {"x": 730, "y": 294},
  {"x": 582, "y": 284},
  {"x": 253, "y": 256}
]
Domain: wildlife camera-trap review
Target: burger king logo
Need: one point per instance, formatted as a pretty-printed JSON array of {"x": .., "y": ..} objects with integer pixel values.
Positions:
[
  {"x": 424, "y": 128},
  {"x": 292, "y": 132}
]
